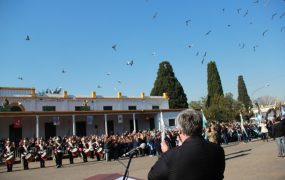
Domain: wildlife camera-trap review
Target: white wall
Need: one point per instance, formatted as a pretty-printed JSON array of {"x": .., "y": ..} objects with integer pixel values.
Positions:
[
  {"x": 166, "y": 116},
  {"x": 36, "y": 104}
]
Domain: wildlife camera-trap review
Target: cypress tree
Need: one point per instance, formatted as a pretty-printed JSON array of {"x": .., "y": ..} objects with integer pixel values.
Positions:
[
  {"x": 168, "y": 83},
  {"x": 214, "y": 82},
  {"x": 242, "y": 93}
]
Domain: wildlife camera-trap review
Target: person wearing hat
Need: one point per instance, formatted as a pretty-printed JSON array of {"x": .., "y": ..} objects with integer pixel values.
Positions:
[
  {"x": 24, "y": 150},
  {"x": 58, "y": 151},
  {"x": 9, "y": 155},
  {"x": 83, "y": 148},
  {"x": 41, "y": 152},
  {"x": 71, "y": 146}
]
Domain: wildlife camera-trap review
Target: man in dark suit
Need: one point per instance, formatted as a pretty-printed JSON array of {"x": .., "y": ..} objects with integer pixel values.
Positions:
[
  {"x": 194, "y": 158},
  {"x": 278, "y": 133}
]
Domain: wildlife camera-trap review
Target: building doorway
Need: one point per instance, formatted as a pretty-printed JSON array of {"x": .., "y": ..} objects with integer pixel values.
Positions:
[
  {"x": 15, "y": 108},
  {"x": 50, "y": 130},
  {"x": 15, "y": 134},
  {"x": 132, "y": 125},
  {"x": 151, "y": 124},
  {"x": 110, "y": 126},
  {"x": 81, "y": 128}
]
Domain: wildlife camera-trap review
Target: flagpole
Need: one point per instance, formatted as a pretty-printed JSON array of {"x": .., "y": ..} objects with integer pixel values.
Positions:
[{"x": 162, "y": 127}]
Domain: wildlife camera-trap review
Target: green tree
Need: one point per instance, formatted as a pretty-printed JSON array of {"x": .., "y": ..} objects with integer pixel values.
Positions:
[
  {"x": 214, "y": 83},
  {"x": 242, "y": 93},
  {"x": 166, "y": 82},
  {"x": 200, "y": 104},
  {"x": 223, "y": 108}
]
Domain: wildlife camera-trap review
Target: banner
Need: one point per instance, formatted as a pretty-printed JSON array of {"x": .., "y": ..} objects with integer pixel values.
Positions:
[
  {"x": 56, "y": 121},
  {"x": 89, "y": 120},
  {"x": 120, "y": 118},
  {"x": 17, "y": 122}
]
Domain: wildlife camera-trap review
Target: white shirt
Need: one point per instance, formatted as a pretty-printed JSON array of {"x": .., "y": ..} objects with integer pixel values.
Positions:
[{"x": 263, "y": 128}]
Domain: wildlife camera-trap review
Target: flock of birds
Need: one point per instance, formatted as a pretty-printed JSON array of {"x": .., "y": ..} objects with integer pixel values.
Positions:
[
  {"x": 188, "y": 22},
  {"x": 49, "y": 91},
  {"x": 240, "y": 45}
]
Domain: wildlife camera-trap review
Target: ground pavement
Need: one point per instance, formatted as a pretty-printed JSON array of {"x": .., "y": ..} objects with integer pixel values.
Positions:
[{"x": 251, "y": 161}]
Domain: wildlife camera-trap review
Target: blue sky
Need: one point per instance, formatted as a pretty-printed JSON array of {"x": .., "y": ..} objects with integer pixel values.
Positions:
[{"x": 78, "y": 36}]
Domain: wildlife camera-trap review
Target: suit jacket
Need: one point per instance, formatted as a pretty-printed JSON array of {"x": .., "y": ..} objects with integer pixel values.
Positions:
[
  {"x": 195, "y": 159},
  {"x": 278, "y": 129}
]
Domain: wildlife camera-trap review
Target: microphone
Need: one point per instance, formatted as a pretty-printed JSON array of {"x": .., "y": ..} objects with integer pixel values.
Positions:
[{"x": 135, "y": 150}]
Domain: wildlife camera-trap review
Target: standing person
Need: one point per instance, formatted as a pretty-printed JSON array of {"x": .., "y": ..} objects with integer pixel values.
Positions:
[
  {"x": 58, "y": 151},
  {"x": 84, "y": 149},
  {"x": 218, "y": 129},
  {"x": 99, "y": 148},
  {"x": 9, "y": 155},
  {"x": 72, "y": 149},
  {"x": 157, "y": 144},
  {"x": 278, "y": 133},
  {"x": 264, "y": 130},
  {"x": 25, "y": 151},
  {"x": 224, "y": 134},
  {"x": 194, "y": 158},
  {"x": 213, "y": 135},
  {"x": 41, "y": 152},
  {"x": 269, "y": 127},
  {"x": 91, "y": 145}
]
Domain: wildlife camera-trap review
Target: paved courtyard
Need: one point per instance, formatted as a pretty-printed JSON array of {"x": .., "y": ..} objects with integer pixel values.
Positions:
[{"x": 252, "y": 161}]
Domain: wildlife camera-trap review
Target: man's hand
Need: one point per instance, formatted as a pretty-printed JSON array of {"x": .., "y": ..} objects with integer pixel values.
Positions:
[
  {"x": 164, "y": 146},
  {"x": 179, "y": 140}
]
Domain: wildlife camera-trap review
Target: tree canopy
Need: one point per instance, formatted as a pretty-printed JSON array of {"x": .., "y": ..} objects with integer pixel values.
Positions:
[
  {"x": 214, "y": 83},
  {"x": 242, "y": 93},
  {"x": 166, "y": 82}
]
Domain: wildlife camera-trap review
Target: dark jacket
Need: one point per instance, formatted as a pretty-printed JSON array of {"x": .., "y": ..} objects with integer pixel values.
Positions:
[
  {"x": 278, "y": 129},
  {"x": 196, "y": 159}
]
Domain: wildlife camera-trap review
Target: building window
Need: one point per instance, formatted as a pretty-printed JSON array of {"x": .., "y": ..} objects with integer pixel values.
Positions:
[
  {"x": 82, "y": 108},
  {"x": 48, "y": 108},
  {"x": 171, "y": 122},
  {"x": 155, "y": 107},
  {"x": 132, "y": 107},
  {"x": 107, "y": 108},
  {"x": 5, "y": 108}
]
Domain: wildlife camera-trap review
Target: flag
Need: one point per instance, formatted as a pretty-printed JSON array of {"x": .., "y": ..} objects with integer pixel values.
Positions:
[
  {"x": 259, "y": 118},
  {"x": 17, "y": 122},
  {"x": 56, "y": 120},
  {"x": 241, "y": 125},
  {"x": 120, "y": 118},
  {"x": 89, "y": 120},
  {"x": 204, "y": 120}
]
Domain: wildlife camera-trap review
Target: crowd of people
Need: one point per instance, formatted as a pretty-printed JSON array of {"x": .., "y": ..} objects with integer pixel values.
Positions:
[
  {"x": 100, "y": 147},
  {"x": 114, "y": 146},
  {"x": 223, "y": 133}
]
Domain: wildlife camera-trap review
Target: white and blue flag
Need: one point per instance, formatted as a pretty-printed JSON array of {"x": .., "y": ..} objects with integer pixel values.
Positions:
[{"x": 241, "y": 125}]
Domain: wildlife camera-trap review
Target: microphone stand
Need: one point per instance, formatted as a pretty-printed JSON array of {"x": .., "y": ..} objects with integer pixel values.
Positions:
[{"x": 127, "y": 168}]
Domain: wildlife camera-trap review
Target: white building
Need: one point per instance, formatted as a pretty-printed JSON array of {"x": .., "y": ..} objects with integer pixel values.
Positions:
[{"x": 31, "y": 115}]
